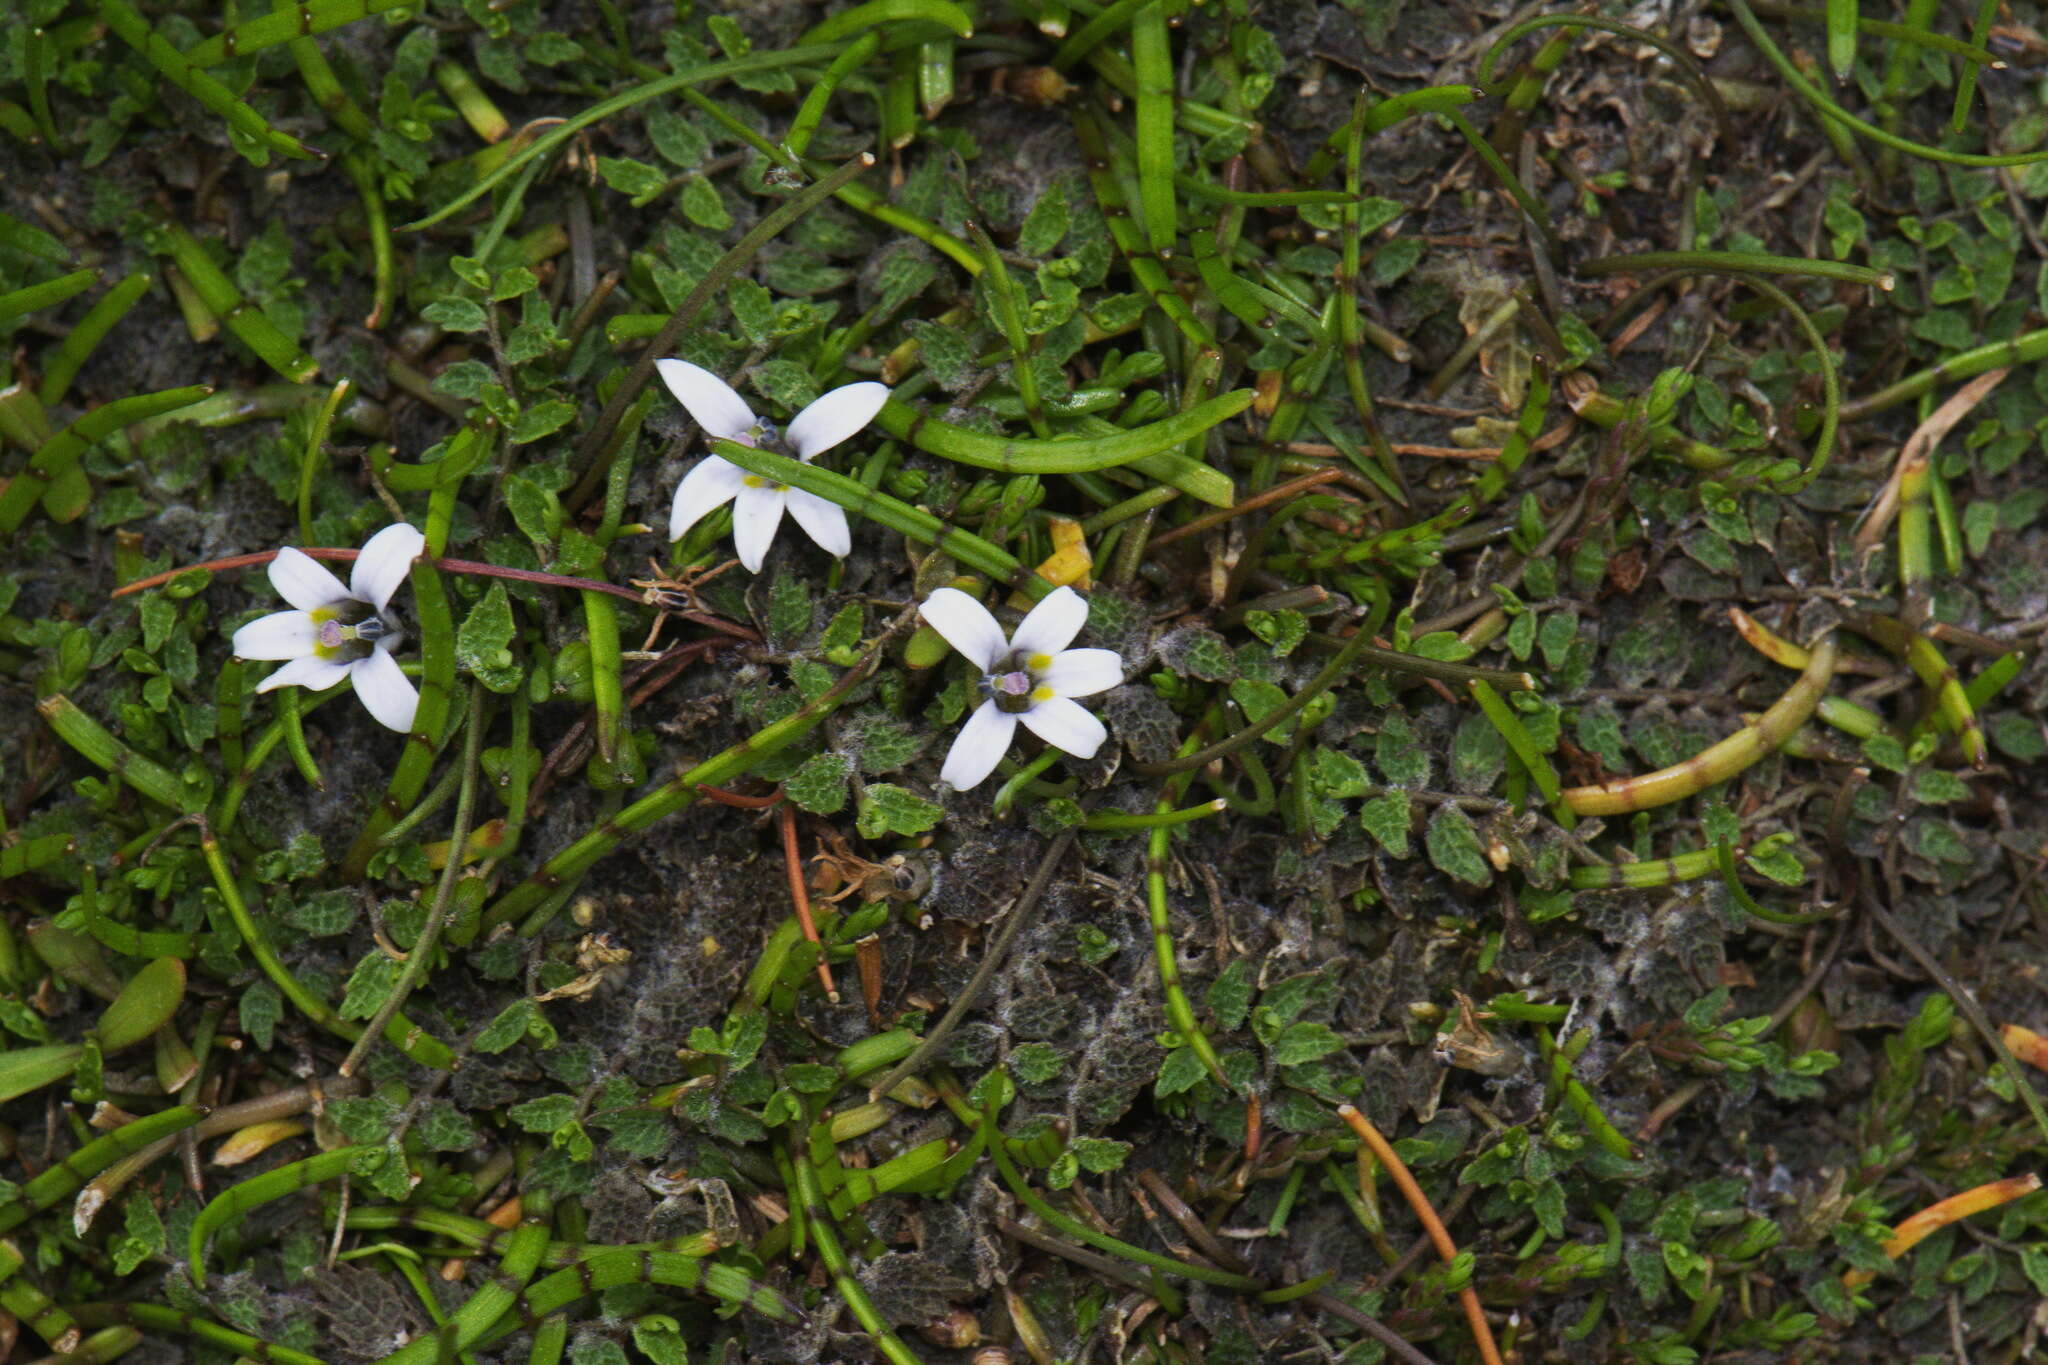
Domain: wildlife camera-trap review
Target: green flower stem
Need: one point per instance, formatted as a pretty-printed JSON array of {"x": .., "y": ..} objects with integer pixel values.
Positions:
[
  {"x": 1165, "y": 818},
  {"x": 1524, "y": 746},
  {"x": 88, "y": 332},
  {"x": 818, "y": 1222},
  {"x": 1884, "y": 28},
  {"x": 157, "y": 1318},
  {"x": 1112, "y": 18},
  {"x": 437, "y": 688},
  {"x": 97, "y": 745},
  {"x": 550, "y": 1340},
  {"x": 174, "y": 66},
  {"x": 1256, "y": 199},
  {"x": 517, "y": 785},
  {"x": 31, "y": 1305},
  {"x": 1150, "y": 448},
  {"x": 327, "y": 92},
  {"x": 401, "y": 1032},
  {"x": 1531, "y": 207},
  {"x": 1002, "y": 292},
  {"x": 1137, "y": 505},
  {"x": 258, "y": 1190},
  {"x": 1916, "y": 545},
  {"x": 681, "y": 792},
  {"x": 309, "y": 463},
  {"x": 1606, "y": 411},
  {"x": 1650, "y": 872},
  {"x": 422, "y": 954},
  {"x": 876, "y": 13},
  {"x": 1520, "y": 93},
  {"x": 1690, "y": 70},
  {"x": 37, "y": 58},
  {"x": 1350, "y": 333},
  {"x": 54, "y": 464},
  {"x": 1747, "y": 262},
  {"x": 289, "y": 701},
  {"x": 1152, "y": 63},
  {"x": 1841, "y": 26},
  {"x": 613, "y": 1267},
  {"x": 1717, "y": 762},
  {"x": 443, "y": 793},
  {"x": 48, "y": 294},
  {"x": 69, "y": 1173},
  {"x": 30, "y": 854},
  {"x": 245, "y": 769},
  {"x": 1731, "y": 881},
  {"x": 1025, "y": 776},
  {"x": 492, "y": 1301},
  {"x": 615, "y": 750},
  {"x": 2020, "y": 351},
  {"x": 248, "y": 322},
  {"x": 875, "y": 505},
  {"x": 1994, "y": 678},
  {"x": 1253, "y": 305},
  {"x": 1828, "y": 109},
  {"x": 1180, "y": 1011},
  {"x": 1924, "y": 657},
  {"x": 476, "y": 1235},
  {"x": 545, "y": 145},
  {"x": 289, "y": 22},
  {"x": 1433, "y": 99},
  {"x": 812, "y": 112},
  {"x": 590, "y": 467},
  {"x": 362, "y": 174},
  {"x": 1146, "y": 270},
  {"x": 1081, "y": 1232},
  {"x": 1579, "y": 1099}
]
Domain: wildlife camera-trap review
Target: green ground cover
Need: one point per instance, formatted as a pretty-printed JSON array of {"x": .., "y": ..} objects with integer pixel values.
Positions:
[{"x": 1564, "y": 501}]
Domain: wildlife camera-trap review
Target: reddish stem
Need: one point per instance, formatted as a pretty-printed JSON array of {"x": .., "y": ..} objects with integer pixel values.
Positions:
[
  {"x": 342, "y": 556},
  {"x": 799, "y": 893}
]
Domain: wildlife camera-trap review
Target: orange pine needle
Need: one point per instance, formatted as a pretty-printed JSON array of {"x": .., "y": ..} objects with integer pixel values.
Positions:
[
  {"x": 2025, "y": 1044},
  {"x": 1917, "y": 1228},
  {"x": 1439, "y": 1236},
  {"x": 798, "y": 892}
]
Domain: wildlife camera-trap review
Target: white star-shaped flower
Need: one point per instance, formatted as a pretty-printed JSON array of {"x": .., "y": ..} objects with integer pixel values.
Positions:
[
  {"x": 713, "y": 482},
  {"x": 1032, "y": 676},
  {"x": 337, "y": 632}
]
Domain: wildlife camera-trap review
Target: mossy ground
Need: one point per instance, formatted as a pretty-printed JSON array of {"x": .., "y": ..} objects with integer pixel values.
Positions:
[{"x": 1678, "y": 1119}]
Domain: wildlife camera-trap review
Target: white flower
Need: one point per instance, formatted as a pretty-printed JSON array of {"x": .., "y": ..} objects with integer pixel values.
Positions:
[
  {"x": 1032, "y": 677},
  {"x": 714, "y": 482},
  {"x": 336, "y": 632}
]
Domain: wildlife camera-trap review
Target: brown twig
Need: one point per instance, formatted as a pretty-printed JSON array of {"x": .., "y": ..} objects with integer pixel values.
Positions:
[{"x": 1277, "y": 493}]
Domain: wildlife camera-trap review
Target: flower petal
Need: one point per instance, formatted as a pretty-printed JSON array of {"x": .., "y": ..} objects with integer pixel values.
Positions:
[
  {"x": 1066, "y": 725},
  {"x": 980, "y": 745},
  {"x": 834, "y": 417},
  {"x": 1083, "y": 672},
  {"x": 280, "y": 635},
  {"x": 709, "y": 485},
  {"x": 966, "y": 625},
  {"x": 1052, "y": 624},
  {"x": 711, "y": 401},
  {"x": 384, "y": 563},
  {"x": 754, "y": 518},
  {"x": 309, "y": 672},
  {"x": 302, "y": 581},
  {"x": 385, "y": 692},
  {"x": 823, "y": 521}
]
